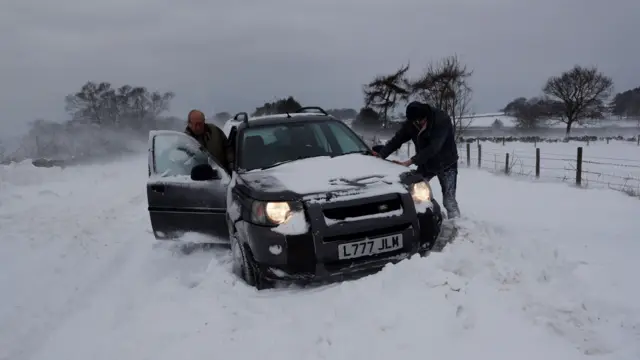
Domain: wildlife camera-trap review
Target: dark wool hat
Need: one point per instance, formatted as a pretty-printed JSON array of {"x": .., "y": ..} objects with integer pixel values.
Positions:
[{"x": 417, "y": 110}]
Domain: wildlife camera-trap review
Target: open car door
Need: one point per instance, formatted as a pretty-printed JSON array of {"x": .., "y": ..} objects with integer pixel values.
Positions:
[{"x": 178, "y": 204}]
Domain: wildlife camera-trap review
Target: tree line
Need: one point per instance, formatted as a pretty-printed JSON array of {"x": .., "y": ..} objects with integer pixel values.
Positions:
[
  {"x": 125, "y": 106},
  {"x": 577, "y": 96},
  {"x": 581, "y": 96},
  {"x": 103, "y": 120}
]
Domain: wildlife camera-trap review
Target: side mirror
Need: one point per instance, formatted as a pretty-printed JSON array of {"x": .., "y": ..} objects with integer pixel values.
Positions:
[{"x": 204, "y": 172}]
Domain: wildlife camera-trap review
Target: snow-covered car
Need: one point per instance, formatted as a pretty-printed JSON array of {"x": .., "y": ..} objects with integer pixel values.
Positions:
[{"x": 306, "y": 199}]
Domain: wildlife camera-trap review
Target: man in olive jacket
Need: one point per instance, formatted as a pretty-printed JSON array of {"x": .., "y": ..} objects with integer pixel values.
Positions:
[
  {"x": 431, "y": 131},
  {"x": 210, "y": 137}
]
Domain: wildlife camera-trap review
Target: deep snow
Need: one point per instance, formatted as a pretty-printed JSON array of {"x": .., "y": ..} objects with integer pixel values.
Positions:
[{"x": 540, "y": 271}]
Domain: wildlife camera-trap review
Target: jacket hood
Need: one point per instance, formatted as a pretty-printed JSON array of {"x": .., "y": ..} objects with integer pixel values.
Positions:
[{"x": 418, "y": 110}]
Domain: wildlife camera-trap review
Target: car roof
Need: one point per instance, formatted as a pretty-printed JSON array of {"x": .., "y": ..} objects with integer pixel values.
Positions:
[
  {"x": 286, "y": 118},
  {"x": 276, "y": 119}
]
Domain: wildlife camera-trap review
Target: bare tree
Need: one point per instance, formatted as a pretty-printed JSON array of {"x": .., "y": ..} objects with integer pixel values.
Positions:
[
  {"x": 497, "y": 124},
  {"x": 583, "y": 92},
  {"x": 89, "y": 105},
  {"x": 384, "y": 92},
  {"x": 533, "y": 113},
  {"x": 444, "y": 85},
  {"x": 127, "y": 105}
]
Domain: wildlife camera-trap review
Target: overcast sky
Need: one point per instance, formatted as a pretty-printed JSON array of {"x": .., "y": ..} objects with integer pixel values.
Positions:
[{"x": 237, "y": 54}]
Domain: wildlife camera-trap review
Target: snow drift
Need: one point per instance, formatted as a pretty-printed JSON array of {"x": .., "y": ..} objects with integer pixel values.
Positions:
[{"x": 539, "y": 271}]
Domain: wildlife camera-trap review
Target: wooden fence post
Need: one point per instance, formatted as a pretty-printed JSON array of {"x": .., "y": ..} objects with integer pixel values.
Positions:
[
  {"x": 537, "y": 162},
  {"x": 506, "y": 163},
  {"x": 479, "y": 156},
  {"x": 579, "y": 167},
  {"x": 468, "y": 154}
]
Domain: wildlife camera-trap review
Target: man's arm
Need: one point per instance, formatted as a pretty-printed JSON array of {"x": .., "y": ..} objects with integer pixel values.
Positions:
[
  {"x": 438, "y": 137},
  {"x": 400, "y": 137}
]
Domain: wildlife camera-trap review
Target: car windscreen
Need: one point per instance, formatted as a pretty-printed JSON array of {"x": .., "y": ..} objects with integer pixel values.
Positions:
[{"x": 270, "y": 145}]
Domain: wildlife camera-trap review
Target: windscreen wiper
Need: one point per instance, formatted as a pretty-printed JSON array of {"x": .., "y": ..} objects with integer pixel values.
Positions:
[
  {"x": 290, "y": 160},
  {"x": 363, "y": 152},
  {"x": 279, "y": 163}
]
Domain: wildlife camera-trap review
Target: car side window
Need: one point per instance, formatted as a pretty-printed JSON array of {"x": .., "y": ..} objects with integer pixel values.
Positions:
[
  {"x": 177, "y": 154},
  {"x": 348, "y": 142},
  {"x": 267, "y": 135}
]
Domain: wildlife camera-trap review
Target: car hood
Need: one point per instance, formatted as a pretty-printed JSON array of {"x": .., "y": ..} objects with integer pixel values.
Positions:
[{"x": 351, "y": 174}]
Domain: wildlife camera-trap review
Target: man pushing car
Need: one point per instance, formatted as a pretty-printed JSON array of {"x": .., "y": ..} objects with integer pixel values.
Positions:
[{"x": 431, "y": 131}]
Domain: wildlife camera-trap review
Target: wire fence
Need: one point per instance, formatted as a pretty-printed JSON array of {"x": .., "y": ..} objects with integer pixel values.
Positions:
[{"x": 617, "y": 173}]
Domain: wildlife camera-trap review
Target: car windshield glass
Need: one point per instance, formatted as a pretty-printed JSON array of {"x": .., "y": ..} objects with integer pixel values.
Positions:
[{"x": 270, "y": 145}]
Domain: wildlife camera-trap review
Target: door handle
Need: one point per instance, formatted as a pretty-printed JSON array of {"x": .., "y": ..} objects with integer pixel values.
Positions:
[{"x": 158, "y": 188}]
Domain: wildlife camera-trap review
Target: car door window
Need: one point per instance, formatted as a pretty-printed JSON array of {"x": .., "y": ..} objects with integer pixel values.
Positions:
[{"x": 176, "y": 154}]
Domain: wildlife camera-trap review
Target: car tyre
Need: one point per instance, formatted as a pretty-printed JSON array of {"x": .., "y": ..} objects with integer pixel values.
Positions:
[{"x": 245, "y": 266}]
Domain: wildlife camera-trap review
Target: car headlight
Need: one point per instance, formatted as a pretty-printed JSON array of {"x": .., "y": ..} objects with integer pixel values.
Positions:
[
  {"x": 271, "y": 212},
  {"x": 278, "y": 212},
  {"x": 421, "y": 192}
]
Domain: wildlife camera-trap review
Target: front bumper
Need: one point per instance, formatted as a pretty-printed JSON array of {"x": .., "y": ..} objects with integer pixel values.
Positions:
[{"x": 313, "y": 256}]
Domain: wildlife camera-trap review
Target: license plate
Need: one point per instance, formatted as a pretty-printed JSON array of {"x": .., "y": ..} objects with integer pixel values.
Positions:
[{"x": 370, "y": 247}]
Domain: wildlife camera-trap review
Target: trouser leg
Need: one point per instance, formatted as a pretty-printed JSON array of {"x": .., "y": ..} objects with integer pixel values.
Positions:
[{"x": 448, "y": 182}]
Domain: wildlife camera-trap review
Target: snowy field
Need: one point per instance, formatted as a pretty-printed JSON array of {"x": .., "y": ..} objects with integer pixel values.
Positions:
[
  {"x": 535, "y": 274},
  {"x": 486, "y": 120},
  {"x": 614, "y": 165}
]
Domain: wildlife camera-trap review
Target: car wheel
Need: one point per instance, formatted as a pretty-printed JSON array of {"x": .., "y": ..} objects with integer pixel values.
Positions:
[
  {"x": 245, "y": 266},
  {"x": 236, "y": 255}
]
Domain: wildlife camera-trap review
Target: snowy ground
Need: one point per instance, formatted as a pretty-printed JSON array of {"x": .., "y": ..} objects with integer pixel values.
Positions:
[{"x": 540, "y": 271}]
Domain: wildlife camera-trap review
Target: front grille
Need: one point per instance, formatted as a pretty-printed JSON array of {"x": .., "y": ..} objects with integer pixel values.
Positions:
[{"x": 372, "y": 208}]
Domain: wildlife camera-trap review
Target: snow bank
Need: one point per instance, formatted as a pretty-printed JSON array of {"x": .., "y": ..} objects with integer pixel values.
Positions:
[{"x": 23, "y": 173}]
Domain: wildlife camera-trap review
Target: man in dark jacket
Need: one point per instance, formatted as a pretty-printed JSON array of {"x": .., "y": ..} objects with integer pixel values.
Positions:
[
  {"x": 210, "y": 137},
  {"x": 431, "y": 131}
]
